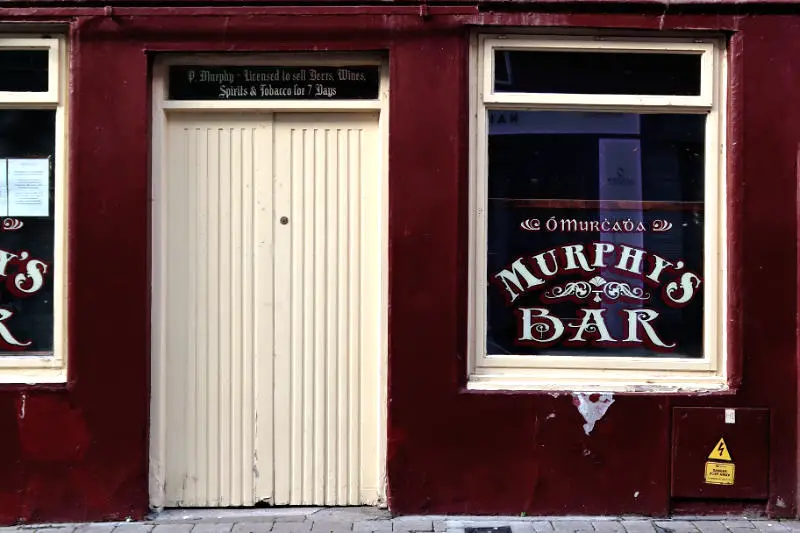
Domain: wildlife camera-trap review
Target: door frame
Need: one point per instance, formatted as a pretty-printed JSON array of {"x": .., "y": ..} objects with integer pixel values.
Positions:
[{"x": 161, "y": 108}]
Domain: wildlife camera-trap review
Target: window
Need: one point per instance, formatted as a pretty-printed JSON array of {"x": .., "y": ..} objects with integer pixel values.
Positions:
[
  {"x": 598, "y": 235},
  {"x": 32, "y": 214}
]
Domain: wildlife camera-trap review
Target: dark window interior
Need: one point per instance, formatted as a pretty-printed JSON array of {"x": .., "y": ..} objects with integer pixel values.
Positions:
[
  {"x": 23, "y": 70},
  {"x": 597, "y": 73},
  {"x": 26, "y": 133}
]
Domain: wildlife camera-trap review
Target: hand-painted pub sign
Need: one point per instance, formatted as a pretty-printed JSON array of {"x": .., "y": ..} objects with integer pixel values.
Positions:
[
  {"x": 595, "y": 234},
  {"x": 24, "y": 276},
  {"x": 647, "y": 274},
  {"x": 28, "y": 237},
  {"x": 194, "y": 82},
  {"x": 26, "y": 255}
]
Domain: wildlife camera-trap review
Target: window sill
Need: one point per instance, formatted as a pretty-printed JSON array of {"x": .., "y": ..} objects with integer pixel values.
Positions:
[
  {"x": 33, "y": 377},
  {"x": 600, "y": 381}
]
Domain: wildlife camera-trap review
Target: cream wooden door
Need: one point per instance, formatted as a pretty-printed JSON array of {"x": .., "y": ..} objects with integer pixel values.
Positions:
[{"x": 269, "y": 309}]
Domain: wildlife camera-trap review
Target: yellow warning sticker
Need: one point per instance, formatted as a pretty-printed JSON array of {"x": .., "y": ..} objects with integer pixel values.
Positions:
[
  {"x": 720, "y": 473},
  {"x": 720, "y": 452}
]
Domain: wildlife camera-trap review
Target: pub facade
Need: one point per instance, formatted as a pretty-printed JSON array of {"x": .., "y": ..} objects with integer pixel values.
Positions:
[{"x": 446, "y": 258}]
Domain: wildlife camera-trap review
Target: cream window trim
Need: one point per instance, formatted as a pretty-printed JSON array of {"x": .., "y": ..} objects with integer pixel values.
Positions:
[
  {"x": 704, "y": 48},
  {"x": 45, "y": 369},
  {"x": 564, "y": 372}
]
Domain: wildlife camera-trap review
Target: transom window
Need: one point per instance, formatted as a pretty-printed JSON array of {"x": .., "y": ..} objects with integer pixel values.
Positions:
[{"x": 598, "y": 242}]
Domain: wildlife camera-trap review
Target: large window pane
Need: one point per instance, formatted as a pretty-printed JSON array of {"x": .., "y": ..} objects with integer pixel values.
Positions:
[
  {"x": 27, "y": 148},
  {"x": 595, "y": 234}
]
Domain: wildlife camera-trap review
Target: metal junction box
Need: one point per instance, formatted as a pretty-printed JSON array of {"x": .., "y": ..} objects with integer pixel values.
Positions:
[{"x": 720, "y": 453}]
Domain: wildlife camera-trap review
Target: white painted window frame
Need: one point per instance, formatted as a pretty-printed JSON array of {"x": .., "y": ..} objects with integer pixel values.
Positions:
[
  {"x": 33, "y": 369},
  {"x": 564, "y": 372}
]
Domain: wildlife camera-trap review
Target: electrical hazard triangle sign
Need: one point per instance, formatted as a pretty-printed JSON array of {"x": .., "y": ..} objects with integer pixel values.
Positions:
[{"x": 720, "y": 452}]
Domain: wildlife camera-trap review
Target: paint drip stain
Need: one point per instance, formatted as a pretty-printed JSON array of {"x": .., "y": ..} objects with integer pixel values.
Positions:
[{"x": 592, "y": 407}]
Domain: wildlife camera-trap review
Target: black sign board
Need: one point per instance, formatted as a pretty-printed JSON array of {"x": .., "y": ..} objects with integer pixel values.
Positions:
[{"x": 191, "y": 82}]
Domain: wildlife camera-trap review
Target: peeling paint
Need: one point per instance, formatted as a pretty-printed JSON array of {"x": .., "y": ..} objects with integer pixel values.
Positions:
[
  {"x": 592, "y": 407},
  {"x": 551, "y": 415},
  {"x": 22, "y": 406},
  {"x": 780, "y": 503}
]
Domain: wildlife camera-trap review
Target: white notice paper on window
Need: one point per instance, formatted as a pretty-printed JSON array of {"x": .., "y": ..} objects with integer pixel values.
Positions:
[
  {"x": 3, "y": 188},
  {"x": 28, "y": 194}
]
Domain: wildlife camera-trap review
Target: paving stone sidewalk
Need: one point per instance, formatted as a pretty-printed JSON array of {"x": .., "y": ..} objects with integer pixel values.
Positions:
[{"x": 372, "y": 520}]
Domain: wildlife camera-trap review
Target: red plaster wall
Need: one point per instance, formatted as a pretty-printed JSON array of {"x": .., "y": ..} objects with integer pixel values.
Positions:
[{"x": 80, "y": 451}]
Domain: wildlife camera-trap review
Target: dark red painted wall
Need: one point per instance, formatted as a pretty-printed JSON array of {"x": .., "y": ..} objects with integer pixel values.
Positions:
[{"x": 80, "y": 451}]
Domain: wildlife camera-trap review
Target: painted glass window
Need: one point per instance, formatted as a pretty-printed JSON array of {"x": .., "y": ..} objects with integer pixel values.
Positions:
[
  {"x": 27, "y": 233},
  {"x": 32, "y": 228},
  {"x": 598, "y": 194},
  {"x": 592, "y": 217}
]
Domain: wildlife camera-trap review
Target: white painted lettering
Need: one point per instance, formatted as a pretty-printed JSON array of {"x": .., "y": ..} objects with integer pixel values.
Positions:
[
  {"x": 659, "y": 265},
  {"x": 573, "y": 253},
  {"x": 546, "y": 269},
  {"x": 5, "y": 334},
  {"x": 5, "y": 258},
  {"x": 33, "y": 277},
  {"x": 528, "y": 327},
  {"x": 643, "y": 317},
  {"x": 630, "y": 259},
  {"x": 518, "y": 269},
  {"x": 592, "y": 321},
  {"x": 600, "y": 250},
  {"x": 686, "y": 285}
]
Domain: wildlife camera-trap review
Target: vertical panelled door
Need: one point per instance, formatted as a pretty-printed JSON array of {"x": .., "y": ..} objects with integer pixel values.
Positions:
[{"x": 272, "y": 309}]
